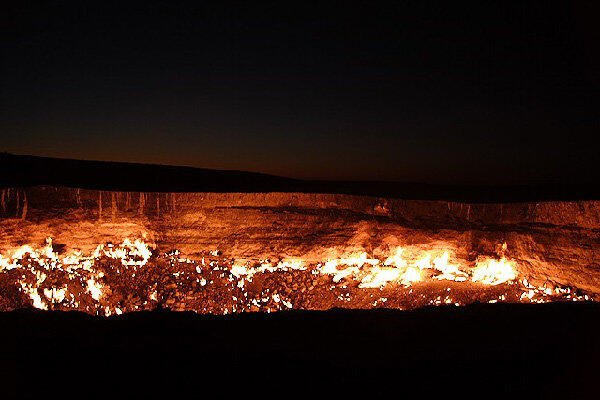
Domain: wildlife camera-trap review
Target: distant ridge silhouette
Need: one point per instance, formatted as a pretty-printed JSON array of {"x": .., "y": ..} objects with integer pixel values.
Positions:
[{"x": 27, "y": 170}]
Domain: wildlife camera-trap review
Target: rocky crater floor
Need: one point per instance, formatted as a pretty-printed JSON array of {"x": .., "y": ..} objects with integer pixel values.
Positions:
[{"x": 114, "y": 252}]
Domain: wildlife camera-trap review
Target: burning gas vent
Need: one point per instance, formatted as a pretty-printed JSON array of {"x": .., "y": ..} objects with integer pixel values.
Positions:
[{"x": 114, "y": 252}]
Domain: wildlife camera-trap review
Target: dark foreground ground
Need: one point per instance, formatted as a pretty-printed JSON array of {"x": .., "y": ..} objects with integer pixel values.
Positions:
[{"x": 478, "y": 351}]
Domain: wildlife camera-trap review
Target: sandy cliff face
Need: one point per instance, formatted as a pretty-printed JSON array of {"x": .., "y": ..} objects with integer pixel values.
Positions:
[{"x": 551, "y": 241}]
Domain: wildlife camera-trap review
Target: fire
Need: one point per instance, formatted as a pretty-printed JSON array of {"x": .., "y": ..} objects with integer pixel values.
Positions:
[
  {"x": 117, "y": 278},
  {"x": 94, "y": 288},
  {"x": 55, "y": 295},
  {"x": 285, "y": 265},
  {"x": 396, "y": 269},
  {"x": 34, "y": 295},
  {"x": 411, "y": 275},
  {"x": 449, "y": 272},
  {"x": 380, "y": 276},
  {"x": 130, "y": 254},
  {"x": 492, "y": 272}
]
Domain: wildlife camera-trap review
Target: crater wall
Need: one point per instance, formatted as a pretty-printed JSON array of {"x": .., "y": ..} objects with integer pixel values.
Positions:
[{"x": 556, "y": 241}]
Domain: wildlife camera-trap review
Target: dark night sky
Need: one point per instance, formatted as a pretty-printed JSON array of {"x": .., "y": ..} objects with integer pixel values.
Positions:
[{"x": 477, "y": 92}]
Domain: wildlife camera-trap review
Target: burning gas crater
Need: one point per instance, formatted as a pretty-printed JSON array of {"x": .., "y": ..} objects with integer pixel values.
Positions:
[{"x": 132, "y": 276}]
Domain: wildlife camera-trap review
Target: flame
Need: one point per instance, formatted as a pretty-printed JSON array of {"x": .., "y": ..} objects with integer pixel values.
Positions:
[
  {"x": 379, "y": 277},
  {"x": 34, "y": 295},
  {"x": 449, "y": 272},
  {"x": 494, "y": 272},
  {"x": 240, "y": 269},
  {"x": 130, "y": 254},
  {"x": 78, "y": 281},
  {"x": 55, "y": 295},
  {"x": 396, "y": 260},
  {"x": 352, "y": 265},
  {"x": 95, "y": 288}
]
